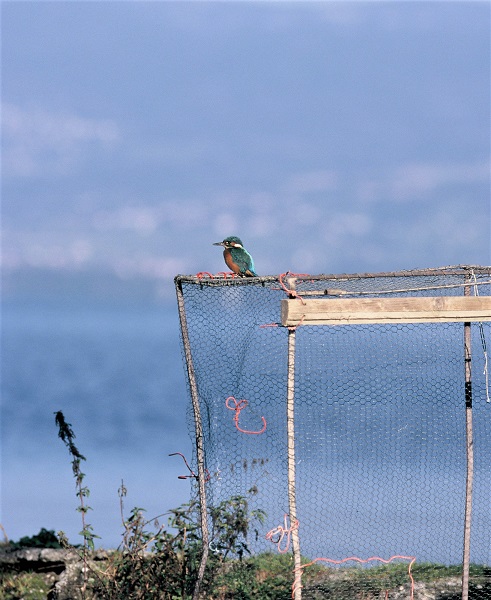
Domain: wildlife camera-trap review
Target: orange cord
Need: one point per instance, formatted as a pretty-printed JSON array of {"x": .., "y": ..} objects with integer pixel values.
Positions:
[
  {"x": 239, "y": 405},
  {"x": 281, "y": 532},
  {"x": 290, "y": 292},
  {"x": 298, "y": 572}
]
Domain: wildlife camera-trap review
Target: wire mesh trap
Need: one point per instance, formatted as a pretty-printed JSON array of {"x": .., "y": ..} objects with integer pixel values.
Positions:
[{"x": 353, "y": 410}]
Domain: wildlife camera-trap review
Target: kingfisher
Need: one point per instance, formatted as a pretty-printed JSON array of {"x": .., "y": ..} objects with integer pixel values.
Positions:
[{"x": 236, "y": 257}]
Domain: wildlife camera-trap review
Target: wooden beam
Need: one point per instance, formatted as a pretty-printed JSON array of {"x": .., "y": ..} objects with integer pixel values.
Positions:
[{"x": 352, "y": 311}]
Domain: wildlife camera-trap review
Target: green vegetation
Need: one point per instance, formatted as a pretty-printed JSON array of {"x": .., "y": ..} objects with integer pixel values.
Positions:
[
  {"x": 44, "y": 539},
  {"x": 164, "y": 561},
  {"x": 65, "y": 433},
  {"x": 25, "y": 586}
]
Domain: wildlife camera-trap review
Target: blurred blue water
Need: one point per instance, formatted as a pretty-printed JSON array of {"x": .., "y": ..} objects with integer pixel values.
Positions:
[{"x": 117, "y": 375}]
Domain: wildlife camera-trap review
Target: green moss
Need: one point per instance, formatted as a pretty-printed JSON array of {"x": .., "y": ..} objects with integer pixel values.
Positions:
[{"x": 23, "y": 586}]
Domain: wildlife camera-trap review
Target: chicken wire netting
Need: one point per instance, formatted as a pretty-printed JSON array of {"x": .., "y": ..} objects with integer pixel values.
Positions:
[{"x": 379, "y": 432}]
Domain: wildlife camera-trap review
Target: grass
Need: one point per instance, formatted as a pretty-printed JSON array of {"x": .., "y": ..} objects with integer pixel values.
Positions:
[
  {"x": 165, "y": 576},
  {"x": 23, "y": 586}
]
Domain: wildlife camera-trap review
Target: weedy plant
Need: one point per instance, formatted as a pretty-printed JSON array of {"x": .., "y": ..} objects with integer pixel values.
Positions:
[
  {"x": 65, "y": 432},
  {"x": 161, "y": 561},
  {"x": 157, "y": 561}
]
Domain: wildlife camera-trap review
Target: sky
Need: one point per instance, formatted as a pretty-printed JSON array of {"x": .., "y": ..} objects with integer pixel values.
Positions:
[{"x": 331, "y": 137}]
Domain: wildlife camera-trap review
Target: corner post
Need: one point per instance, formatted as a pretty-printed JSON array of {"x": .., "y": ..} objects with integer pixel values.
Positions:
[
  {"x": 290, "y": 424},
  {"x": 469, "y": 455},
  {"x": 200, "y": 450}
]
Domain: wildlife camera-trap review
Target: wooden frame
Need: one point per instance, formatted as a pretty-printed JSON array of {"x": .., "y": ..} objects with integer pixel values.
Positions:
[{"x": 353, "y": 311}]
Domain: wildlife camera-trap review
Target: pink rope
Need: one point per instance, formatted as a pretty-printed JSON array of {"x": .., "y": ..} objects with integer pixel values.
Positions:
[
  {"x": 298, "y": 572},
  {"x": 290, "y": 292},
  {"x": 281, "y": 533},
  {"x": 237, "y": 405}
]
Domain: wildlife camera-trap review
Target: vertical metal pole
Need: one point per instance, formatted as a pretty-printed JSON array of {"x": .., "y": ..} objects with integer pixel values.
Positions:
[
  {"x": 292, "y": 501},
  {"x": 469, "y": 454},
  {"x": 200, "y": 450}
]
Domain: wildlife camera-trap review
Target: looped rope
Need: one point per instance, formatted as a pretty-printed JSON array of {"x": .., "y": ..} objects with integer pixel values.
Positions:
[
  {"x": 237, "y": 405},
  {"x": 291, "y": 292},
  {"x": 280, "y": 533}
]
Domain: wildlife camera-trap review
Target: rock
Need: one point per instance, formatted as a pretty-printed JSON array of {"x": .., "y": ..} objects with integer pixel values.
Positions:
[
  {"x": 34, "y": 559},
  {"x": 62, "y": 569}
]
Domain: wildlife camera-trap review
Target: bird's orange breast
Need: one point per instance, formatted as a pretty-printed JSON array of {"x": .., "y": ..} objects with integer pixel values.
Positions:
[{"x": 230, "y": 261}]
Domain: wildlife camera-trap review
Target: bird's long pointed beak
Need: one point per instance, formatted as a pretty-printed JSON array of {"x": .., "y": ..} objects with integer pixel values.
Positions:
[{"x": 218, "y": 244}]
